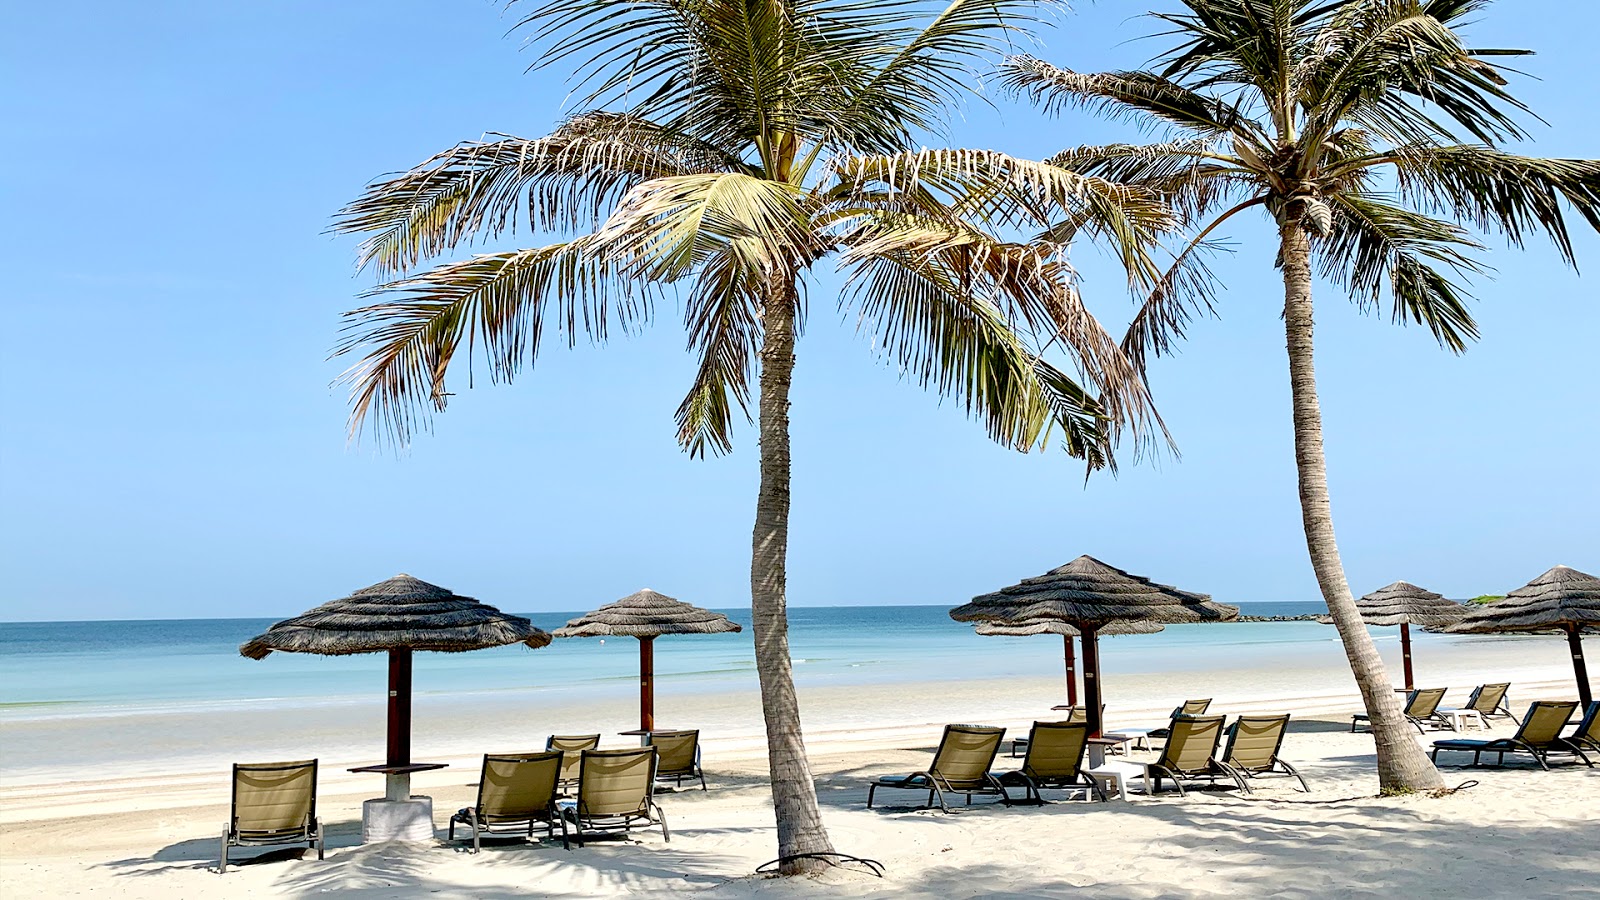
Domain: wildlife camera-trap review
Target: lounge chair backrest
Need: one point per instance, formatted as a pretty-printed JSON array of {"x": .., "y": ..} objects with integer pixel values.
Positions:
[
  {"x": 965, "y": 753},
  {"x": 1192, "y": 744},
  {"x": 1081, "y": 713},
  {"x": 1589, "y": 726},
  {"x": 1193, "y": 707},
  {"x": 272, "y": 798},
  {"x": 1424, "y": 702},
  {"x": 571, "y": 747},
  {"x": 1254, "y": 741},
  {"x": 518, "y": 786},
  {"x": 1055, "y": 750},
  {"x": 1544, "y": 721},
  {"x": 676, "y": 749},
  {"x": 616, "y": 782},
  {"x": 1486, "y": 698}
]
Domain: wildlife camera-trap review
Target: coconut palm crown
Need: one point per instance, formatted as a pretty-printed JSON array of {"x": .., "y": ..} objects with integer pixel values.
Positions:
[
  {"x": 1369, "y": 131},
  {"x": 723, "y": 148}
]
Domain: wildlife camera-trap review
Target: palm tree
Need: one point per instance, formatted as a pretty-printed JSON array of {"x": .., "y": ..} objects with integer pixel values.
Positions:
[
  {"x": 1367, "y": 129},
  {"x": 748, "y": 141}
]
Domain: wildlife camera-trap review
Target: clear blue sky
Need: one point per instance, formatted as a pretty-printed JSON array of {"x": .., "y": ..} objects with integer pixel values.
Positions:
[{"x": 171, "y": 445}]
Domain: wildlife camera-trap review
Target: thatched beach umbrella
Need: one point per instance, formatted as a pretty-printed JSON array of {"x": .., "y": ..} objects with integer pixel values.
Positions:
[
  {"x": 1067, "y": 632},
  {"x": 397, "y": 617},
  {"x": 1405, "y": 604},
  {"x": 1561, "y": 600},
  {"x": 1090, "y": 595},
  {"x": 647, "y": 615}
]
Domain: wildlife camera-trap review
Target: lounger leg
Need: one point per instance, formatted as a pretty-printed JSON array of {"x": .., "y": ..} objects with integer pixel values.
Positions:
[
  {"x": 870, "y": 789},
  {"x": 222, "y": 865},
  {"x": 322, "y": 839},
  {"x": 472, "y": 819},
  {"x": 666, "y": 833},
  {"x": 1303, "y": 786}
]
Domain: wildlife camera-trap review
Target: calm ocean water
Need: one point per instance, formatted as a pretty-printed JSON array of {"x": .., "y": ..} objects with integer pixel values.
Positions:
[{"x": 73, "y": 669}]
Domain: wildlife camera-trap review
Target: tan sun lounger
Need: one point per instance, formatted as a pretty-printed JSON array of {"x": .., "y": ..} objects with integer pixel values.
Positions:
[
  {"x": 613, "y": 798},
  {"x": 960, "y": 766},
  {"x": 1539, "y": 735},
  {"x": 1189, "y": 708},
  {"x": 1191, "y": 753},
  {"x": 1075, "y": 715},
  {"x": 679, "y": 756},
  {"x": 1587, "y": 735},
  {"x": 1055, "y": 760},
  {"x": 273, "y": 803},
  {"x": 516, "y": 793},
  {"x": 571, "y": 747},
  {"x": 1422, "y": 710},
  {"x": 1253, "y": 745}
]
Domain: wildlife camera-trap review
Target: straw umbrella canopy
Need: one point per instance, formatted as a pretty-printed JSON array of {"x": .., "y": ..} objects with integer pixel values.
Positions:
[
  {"x": 397, "y": 617},
  {"x": 1561, "y": 600},
  {"x": 1067, "y": 632},
  {"x": 647, "y": 615},
  {"x": 1090, "y": 595},
  {"x": 1405, "y": 604}
]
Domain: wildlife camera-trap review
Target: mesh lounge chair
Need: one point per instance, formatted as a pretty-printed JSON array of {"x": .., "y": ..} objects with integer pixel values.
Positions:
[
  {"x": 1540, "y": 735},
  {"x": 1489, "y": 702},
  {"x": 1587, "y": 735},
  {"x": 516, "y": 793},
  {"x": 1075, "y": 715},
  {"x": 1055, "y": 760},
  {"x": 679, "y": 756},
  {"x": 1191, "y": 753},
  {"x": 614, "y": 795},
  {"x": 1253, "y": 744},
  {"x": 1422, "y": 710},
  {"x": 960, "y": 766},
  {"x": 273, "y": 803},
  {"x": 571, "y": 747},
  {"x": 1189, "y": 708}
]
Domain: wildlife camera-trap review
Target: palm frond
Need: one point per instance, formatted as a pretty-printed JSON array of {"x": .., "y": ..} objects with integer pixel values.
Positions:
[
  {"x": 724, "y": 325},
  {"x": 1141, "y": 96}
]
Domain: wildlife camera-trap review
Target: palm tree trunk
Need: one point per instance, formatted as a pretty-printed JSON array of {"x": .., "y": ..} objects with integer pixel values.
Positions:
[
  {"x": 794, "y": 795},
  {"x": 1402, "y": 764}
]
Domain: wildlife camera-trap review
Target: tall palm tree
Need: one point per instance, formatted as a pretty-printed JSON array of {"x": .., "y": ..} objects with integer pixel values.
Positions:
[
  {"x": 725, "y": 149},
  {"x": 1366, "y": 129}
]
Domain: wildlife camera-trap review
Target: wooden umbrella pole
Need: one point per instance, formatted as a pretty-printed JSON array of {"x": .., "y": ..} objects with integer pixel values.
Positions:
[
  {"x": 398, "y": 786},
  {"x": 647, "y": 684},
  {"x": 1091, "y": 676},
  {"x": 1575, "y": 643},
  {"x": 1072, "y": 670},
  {"x": 1405, "y": 654}
]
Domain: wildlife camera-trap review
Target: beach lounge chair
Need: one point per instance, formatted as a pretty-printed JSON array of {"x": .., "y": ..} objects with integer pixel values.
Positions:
[
  {"x": 273, "y": 803},
  {"x": 1489, "y": 702},
  {"x": 1253, "y": 745},
  {"x": 679, "y": 756},
  {"x": 571, "y": 747},
  {"x": 1421, "y": 710},
  {"x": 516, "y": 793},
  {"x": 1189, "y": 708},
  {"x": 1191, "y": 753},
  {"x": 960, "y": 766},
  {"x": 1539, "y": 735},
  {"x": 613, "y": 796},
  {"x": 1055, "y": 760},
  {"x": 1586, "y": 737},
  {"x": 1075, "y": 715}
]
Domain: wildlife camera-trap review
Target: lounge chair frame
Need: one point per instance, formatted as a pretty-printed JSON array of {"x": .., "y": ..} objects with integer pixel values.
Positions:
[
  {"x": 937, "y": 781},
  {"x": 1052, "y": 770},
  {"x": 1178, "y": 763},
  {"x": 486, "y": 820},
  {"x": 588, "y": 824},
  {"x": 1421, "y": 710},
  {"x": 308, "y": 829},
  {"x": 1586, "y": 737},
  {"x": 1275, "y": 763},
  {"x": 1539, "y": 736},
  {"x": 1489, "y": 701},
  {"x": 667, "y": 767}
]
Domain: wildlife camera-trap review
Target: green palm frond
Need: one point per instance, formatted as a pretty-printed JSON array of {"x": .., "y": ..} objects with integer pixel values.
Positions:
[
  {"x": 724, "y": 325},
  {"x": 502, "y": 301}
]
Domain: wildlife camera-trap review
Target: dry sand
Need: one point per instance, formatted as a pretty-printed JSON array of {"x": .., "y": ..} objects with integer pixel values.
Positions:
[{"x": 1519, "y": 832}]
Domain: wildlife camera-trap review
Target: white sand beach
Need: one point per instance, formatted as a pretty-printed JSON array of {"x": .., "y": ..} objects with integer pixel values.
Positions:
[{"x": 140, "y": 829}]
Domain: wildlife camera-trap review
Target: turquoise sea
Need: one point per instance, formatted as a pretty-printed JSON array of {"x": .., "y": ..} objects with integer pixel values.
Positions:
[{"x": 75, "y": 669}]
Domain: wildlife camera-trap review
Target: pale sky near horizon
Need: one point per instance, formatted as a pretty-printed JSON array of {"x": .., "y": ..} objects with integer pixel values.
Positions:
[{"x": 171, "y": 445}]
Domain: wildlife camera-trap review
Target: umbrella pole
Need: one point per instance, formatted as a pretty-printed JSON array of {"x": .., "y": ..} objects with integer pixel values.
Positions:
[
  {"x": 647, "y": 684},
  {"x": 1091, "y": 676},
  {"x": 1405, "y": 654},
  {"x": 1575, "y": 642},
  {"x": 398, "y": 784},
  {"x": 1072, "y": 670}
]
